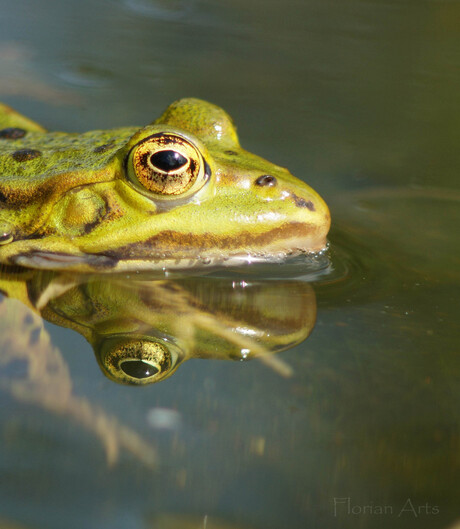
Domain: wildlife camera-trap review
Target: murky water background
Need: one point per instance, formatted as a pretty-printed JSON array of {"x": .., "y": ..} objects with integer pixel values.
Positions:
[{"x": 358, "y": 98}]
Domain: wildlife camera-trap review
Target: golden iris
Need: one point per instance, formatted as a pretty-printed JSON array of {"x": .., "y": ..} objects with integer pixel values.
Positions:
[{"x": 167, "y": 164}]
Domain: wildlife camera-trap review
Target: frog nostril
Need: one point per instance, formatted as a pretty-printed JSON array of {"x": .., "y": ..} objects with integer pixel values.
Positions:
[{"x": 266, "y": 180}]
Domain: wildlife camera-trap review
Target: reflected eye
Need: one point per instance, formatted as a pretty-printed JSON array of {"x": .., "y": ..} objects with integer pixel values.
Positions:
[
  {"x": 167, "y": 165},
  {"x": 137, "y": 360}
]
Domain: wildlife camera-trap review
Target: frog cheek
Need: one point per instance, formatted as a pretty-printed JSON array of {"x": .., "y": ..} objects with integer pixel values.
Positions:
[{"x": 136, "y": 360}]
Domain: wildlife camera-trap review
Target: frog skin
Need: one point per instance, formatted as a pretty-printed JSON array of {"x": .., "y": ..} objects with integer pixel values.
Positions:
[
  {"x": 179, "y": 193},
  {"x": 142, "y": 330}
]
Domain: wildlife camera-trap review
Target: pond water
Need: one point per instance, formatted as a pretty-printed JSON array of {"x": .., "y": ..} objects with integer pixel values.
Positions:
[{"x": 356, "y": 426}]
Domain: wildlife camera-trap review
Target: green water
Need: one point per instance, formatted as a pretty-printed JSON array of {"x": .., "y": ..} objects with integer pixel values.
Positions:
[{"x": 359, "y": 99}]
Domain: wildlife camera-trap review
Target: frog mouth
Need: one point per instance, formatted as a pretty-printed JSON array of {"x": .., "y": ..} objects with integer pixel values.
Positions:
[
  {"x": 179, "y": 251},
  {"x": 39, "y": 259},
  {"x": 60, "y": 260}
]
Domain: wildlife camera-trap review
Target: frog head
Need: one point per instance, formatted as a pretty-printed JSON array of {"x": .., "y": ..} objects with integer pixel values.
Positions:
[{"x": 180, "y": 192}]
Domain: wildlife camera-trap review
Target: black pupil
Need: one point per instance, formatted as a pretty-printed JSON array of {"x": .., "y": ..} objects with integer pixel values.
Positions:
[
  {"x": 138, "y": 369},
  {"x": 168, "y": 160}
]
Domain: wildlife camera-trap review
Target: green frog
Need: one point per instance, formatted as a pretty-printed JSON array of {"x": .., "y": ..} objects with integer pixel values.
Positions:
[{"x": 176, "y": 194}]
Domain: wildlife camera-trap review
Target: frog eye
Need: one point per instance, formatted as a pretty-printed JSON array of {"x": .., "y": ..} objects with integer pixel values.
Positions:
[
  {"x": 167, "y": 165},
  {"x": 137, "y": 361}
]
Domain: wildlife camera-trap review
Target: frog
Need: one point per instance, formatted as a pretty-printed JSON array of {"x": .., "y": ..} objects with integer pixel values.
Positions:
[{"x": 178, "y": 193}]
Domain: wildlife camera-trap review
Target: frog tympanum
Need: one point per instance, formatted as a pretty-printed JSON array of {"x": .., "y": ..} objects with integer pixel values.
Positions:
[{"x": 180, "y": 192}]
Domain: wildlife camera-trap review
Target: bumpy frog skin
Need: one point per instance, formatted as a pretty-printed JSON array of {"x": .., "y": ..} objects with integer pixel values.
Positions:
[{"x": 178, "y": 193}]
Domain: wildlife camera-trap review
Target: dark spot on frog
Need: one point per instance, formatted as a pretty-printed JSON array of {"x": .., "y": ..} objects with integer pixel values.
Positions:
[
  {"x": 24, "y": 155},
  {"x": 266, "y": 180},
  {"x": 302, "y": 203},
  {"x": 12, "y": 133},
  {"x": 3, "y": 293},
  {"x": 231, "y": 153},
  {"x": 103, "y": 148}
]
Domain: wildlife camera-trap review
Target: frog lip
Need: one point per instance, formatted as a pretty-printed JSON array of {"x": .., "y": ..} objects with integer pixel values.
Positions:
[
  {"x": 61, "y": 260},
  {"x": 309, "y": 260},
  {"x": 101, "y": 263}
]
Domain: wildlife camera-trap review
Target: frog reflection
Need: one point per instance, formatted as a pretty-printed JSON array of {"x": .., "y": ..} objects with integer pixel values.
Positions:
[{"x": 141, "y": 330}]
